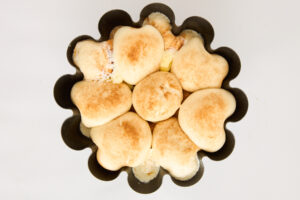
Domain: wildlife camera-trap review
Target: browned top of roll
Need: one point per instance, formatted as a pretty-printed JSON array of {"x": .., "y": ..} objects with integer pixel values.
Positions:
[
  {"x": 124, "y": 141},
  {"x": 157, "y": 97},
  {"x": 100, "y": 102}
]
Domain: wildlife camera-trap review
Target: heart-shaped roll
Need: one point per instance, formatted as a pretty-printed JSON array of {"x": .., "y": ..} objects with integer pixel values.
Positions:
[
  {"x": 137, "y": 53},
  {"x": 99, "y": 102},
  {"x": 202, "y": 116},
  {"x": 94, "y": 59},
  {"x": 196, "y": 68},
  {"x": 125, "y": 141},
  {"x": 174, "y": 151}
]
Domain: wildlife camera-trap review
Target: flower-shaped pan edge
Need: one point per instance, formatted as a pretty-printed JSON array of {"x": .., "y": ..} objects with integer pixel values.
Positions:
[{"x": 71, "y": 133}]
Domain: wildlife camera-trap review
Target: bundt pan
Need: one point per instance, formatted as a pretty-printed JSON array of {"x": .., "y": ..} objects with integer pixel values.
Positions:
[{"x": 70, "y": 130}]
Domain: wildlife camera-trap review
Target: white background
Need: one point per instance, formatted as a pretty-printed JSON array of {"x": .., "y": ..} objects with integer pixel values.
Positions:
[{"x": 36, "y": 164}]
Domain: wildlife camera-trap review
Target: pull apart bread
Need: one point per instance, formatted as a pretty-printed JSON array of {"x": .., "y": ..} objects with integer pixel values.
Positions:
[{"x": 140, "y": 59}]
